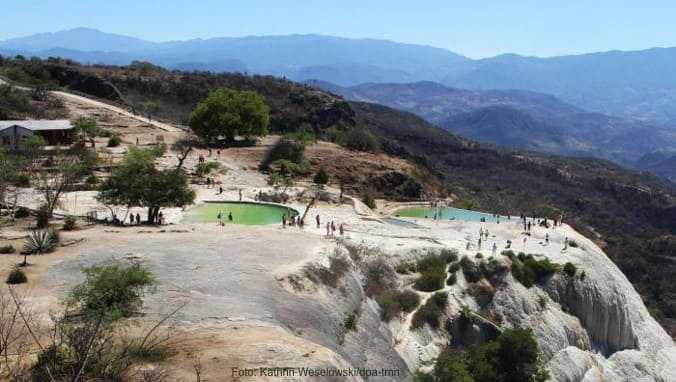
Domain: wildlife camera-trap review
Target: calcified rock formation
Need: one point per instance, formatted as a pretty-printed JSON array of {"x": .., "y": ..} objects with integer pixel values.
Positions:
[{"x": 590, "y": 327}]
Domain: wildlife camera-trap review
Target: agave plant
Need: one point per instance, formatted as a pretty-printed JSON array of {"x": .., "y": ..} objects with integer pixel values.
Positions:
[{"x": 39, "y": 242}]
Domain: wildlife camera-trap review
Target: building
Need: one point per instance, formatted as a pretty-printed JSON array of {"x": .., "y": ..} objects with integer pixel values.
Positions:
[{"x": 54, "y": 132}]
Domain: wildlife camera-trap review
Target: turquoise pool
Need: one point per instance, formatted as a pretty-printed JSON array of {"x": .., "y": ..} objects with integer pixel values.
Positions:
[
  {"x": 446, "y": 213},
  {"x": 242, "y": 213}
]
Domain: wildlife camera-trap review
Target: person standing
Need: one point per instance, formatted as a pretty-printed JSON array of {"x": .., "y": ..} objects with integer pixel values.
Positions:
[
  {"x": 328, "y": 229},
  {"x": 318, "y": 221},
  {"x": 333, "y": 228},
  {"x": 240, "y": 194},
  {"x": 341, "y": 229},
  {"x": 283, "y": 220}
]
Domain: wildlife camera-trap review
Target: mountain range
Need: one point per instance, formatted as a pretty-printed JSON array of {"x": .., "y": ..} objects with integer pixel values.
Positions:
[
  {"x": 637, "y": 84},
  {"x": 523, "y": 119},
  {"x": 619, "y": 106}
]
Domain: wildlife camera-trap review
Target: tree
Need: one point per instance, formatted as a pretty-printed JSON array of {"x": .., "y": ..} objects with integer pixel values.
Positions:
[
  {"x": 321, "y": 177},
  {"x": 228, "y": 113},
  {"x": 86, "y": 130},
  {"x": 138, "y": 183}
]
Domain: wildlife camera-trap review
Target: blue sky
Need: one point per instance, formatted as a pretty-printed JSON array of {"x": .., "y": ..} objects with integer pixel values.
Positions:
[{"x": 479, "y": 28}]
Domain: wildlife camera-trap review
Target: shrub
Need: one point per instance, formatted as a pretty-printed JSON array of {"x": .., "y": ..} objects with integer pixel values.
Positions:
[
  {"x": 7, "y": 249},
  {"x": 321, "y": 177},
  {"x": 470, "y": 270},
  {"x": 452, "y": 279},
  {"x": 449, "y": 255},
  {"x": 379, "y": 277},
  {"x": 369, "y": 199},
  {"x": 491, "y": 268},
  {"x": 16, "y": 276},
  {"x": 430, "y": 281},
  {"x": 22, "y": 180},
  {"x": 350, "y": 322},
  {"x": 527, "y": 270},
  {"x": 92, "y": 181},
  {"x": 114, "y": 141},
  {"x": 573, "y": 243},
  {"x": 433, "y": 273},
  {"x": 583, "y": 275},
  {"x": 569, "y": 269},
  {"x": 148, "y": 351},
  {"x": 41, "y": 241},
  {"x": 360, "y": 140},
  {"x": 405, "y": 268},
  {"x": 114, "y": 291},
  {"x": 454, "y": 267},
  {"x": 392, "y": 304},
  {"x": 482, "y": 292},
  {"x": 287, "y": 149},
  {"x": 431, "y": 312},
  {"x": 22, "y": 212},
  {"x": 205, "y": 168},
  {"x": 479, "y": 256},
  {"x": 69, "y": 223}
]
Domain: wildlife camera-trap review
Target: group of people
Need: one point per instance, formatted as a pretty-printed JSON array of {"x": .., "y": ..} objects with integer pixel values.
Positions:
[{"x": 292, "y": 221}]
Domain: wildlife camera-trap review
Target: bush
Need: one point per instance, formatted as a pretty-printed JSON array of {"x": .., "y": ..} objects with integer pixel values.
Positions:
[
  {"x": 512, "y": 356},
  {"x": 321, "y": 177},
  {"x": 431, "y": 312},
  {"x": 379, "y": 278},
  {"x": 482, "y": 292},
  {"x": 287, "y": 149},
  {"x": 369, "y": 199},
  {"x": 22, "y": 212},
  {"x": 470, "y": 270},
  {"x": 527, "y": 270},
  {"x": 41, "y": 241},
  {"x": 405, "y": 268},
  {"x": 360, "y": 140},
  {"x": 491, "y": 268},
  {"x": 114, "y": 291},
  {"x": 573, "y": 243},
  {"x": 433, "y": 273},
  {"x": 114, "y": 141},
  {"x": 479, "y": 256},
  {"x": 569, "y": 269},
  {"x": 449, "y": 255},
  {"x": 16, "y": 276},
  {"x": 7, "y": 249},
  {"x": 392, "y": 304},
  {"x": 69, "y": 223},
  {"x": 430, "y": 281},
  {"x": 22, "y": 180},
  {"x": 92, "y": 180},
  {"x": 454, "y": 267},
  {"x": 452, "y": 279}
]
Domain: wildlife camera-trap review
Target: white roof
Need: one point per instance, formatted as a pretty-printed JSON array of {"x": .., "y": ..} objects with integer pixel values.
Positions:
[{"x": 38, "y": 124}]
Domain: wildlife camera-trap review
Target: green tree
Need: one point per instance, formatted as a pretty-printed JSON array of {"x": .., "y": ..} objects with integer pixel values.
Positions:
[
  {"x": 452, "y": 366},
  {"x": 228, "y": 113},
  {"x": 86, "y": 130},
  {"x": 138, "y": 183},
  {"x": 321, "y": 177}
]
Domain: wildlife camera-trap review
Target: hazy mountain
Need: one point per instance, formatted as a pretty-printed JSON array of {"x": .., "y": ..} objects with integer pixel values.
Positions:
[
  {"x": 635, "y": 85},
  {"x": 518, "y": 118},
  {"x": 79, "y": 39},
  {"x": 660, "y": 163}
]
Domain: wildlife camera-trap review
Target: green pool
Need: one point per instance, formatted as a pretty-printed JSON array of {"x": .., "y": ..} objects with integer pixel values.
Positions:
[
  {"x": 242, "y": 213},
  {"x": 446, "y": 213}
]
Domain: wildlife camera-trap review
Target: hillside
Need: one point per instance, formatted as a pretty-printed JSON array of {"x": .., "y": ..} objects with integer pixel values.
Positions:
[
  {"x": 622, "y": 210},
  {"x": 597, "y": 82},
  {"x": 518, "y": 118}
]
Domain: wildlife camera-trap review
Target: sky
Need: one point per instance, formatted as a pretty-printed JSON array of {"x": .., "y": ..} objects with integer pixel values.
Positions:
[{"x": 477, "y": 29}]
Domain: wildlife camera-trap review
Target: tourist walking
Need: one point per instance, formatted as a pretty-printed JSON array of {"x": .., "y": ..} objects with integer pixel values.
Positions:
[{"x": 333, "y": 228}]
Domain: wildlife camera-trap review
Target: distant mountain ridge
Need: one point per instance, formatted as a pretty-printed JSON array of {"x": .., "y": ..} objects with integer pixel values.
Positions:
[
  {"x": 518, "y": 118},
  {"x": 637, "y": 84}
]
